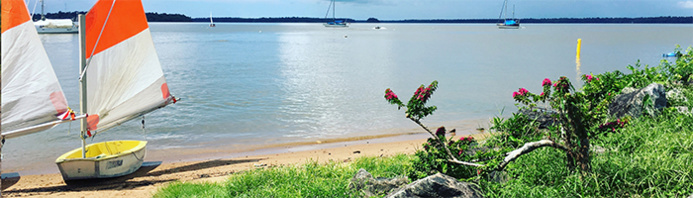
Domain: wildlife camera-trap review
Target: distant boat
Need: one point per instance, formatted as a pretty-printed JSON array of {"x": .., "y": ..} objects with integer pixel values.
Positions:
[
  {"x": 120, "y": 79},
  {"x": 334, "y": 22},
  {"x": 507, "y": 23},
  {"x": 54, "y": 26},
  {"x": 672, "y": 54},
  {"x": 211, "y": 21}
]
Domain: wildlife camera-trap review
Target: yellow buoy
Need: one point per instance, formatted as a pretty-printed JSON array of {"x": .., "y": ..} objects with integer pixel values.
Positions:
[
  {"x": 577, "y": 59},
  {"x": 577, "y": 53}
]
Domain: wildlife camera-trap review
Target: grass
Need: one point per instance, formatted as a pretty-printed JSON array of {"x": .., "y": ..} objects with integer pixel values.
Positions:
[
  {"x": 307, "y": 180},
  {"x": 650, "y": 158}
]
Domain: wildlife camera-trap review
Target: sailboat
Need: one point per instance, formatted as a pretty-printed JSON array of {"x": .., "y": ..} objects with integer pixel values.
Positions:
[
  {"x": 334, "y": 22},
  {"x": 211, "y": 21},
  {"x": 32, "y": 98},
  {"x": 54, "y": 26},
  {"x": 508, "y": 23},
  {"x": 120, "y": 79}
]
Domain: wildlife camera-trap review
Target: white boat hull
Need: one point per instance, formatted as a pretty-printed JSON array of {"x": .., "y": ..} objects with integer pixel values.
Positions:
[
  {"x": 335, "y": 25},
  {"x": 501, "y": 26},
  {"x": 106, "y": 165},
  {"x": 69, "y": 30}
]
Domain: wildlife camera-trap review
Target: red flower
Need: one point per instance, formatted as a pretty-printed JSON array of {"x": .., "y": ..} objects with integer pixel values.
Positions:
[
  {"x": 440, "y": 131},
  {"x": 589, "y": 77},
  {"x": 523, "y": 91},
  {"x": 546, "y": 82}
]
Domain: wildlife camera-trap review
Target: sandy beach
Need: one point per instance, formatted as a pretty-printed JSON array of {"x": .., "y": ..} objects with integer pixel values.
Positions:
[{"x": 155, "y": 174}]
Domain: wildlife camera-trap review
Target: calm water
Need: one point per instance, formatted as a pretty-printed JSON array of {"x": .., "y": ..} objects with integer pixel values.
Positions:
[{"x": 251, "y": 85}]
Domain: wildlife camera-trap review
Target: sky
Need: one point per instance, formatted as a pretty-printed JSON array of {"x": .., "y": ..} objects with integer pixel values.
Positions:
[{"x": 398, "y": 9}]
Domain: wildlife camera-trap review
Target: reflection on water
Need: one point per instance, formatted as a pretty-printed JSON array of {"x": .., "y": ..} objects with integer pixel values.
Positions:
[{"x": 249, "y": 85}]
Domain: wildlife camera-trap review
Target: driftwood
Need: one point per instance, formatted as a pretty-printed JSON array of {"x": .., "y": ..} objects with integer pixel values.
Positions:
[{"x": 528, "y": 147}]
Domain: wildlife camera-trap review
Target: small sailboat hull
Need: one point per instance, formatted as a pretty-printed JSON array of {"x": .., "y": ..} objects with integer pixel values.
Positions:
[
  {"x": 103, "y": 160},
  {"x": 335, "y": 24},
  {"x": 504, "y": 26}
]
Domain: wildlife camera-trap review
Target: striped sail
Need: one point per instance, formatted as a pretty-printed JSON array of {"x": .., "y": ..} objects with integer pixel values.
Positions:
[
  {"x": 32, "y": 99},
  {"x": 123, "y": 75}
]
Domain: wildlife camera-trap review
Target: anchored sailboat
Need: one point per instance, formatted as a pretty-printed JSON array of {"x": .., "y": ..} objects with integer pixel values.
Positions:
[
  {"x": 211, "y": 21},
  {"x": 508, "y": 23},
  {"x": 334, "y": 22},
  {"x": 54, "y": 26},
  {"x": 120, "y": 79}
]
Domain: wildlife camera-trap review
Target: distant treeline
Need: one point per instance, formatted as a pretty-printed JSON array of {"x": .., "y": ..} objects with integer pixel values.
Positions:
[
  {"x": 165, "y": 17},
  {"x": 269, "y": 20},
  {"x": 667, "y": 19},
  {"x": 151, "y": 16}
]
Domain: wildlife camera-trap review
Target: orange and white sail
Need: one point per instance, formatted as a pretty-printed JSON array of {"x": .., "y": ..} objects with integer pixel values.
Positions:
[
  {"x": 123, "y": 74},
  {"x": 32, "y": 99}
]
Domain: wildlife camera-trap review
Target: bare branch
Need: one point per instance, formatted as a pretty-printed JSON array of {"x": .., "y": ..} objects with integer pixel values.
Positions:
[
  {"x": 465, "y": 163},
  {"x": 529, "y": 147},
  {"x": 442, "y": 142}
]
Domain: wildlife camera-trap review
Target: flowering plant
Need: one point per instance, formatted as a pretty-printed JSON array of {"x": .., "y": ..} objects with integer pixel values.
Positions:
[
  {"x": 439, "y": 153},
  {"x": 416, "y": 107},
  {"x": 581, "y": 115}
]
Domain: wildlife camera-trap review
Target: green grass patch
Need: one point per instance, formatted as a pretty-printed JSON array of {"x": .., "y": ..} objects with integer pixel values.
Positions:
[
  {"x": 650, "y": 158},
  {"x": 307, "y": 180}
]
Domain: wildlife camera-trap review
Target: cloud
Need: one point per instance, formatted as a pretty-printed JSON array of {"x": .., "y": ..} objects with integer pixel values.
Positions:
[{"x": 686, "y": 4}]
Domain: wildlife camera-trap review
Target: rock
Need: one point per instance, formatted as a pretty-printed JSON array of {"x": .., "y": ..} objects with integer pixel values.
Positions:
[
  {"x": 498, "y": 176},
  {"x": 676, "y": 96},
  {"x": 684, "y": 110},
  {"x": 633, "y": 103},
  {"x": 370, "y": 186},
  {"x": 438, "y": 185},
  {"x": 545, "y": 117}
]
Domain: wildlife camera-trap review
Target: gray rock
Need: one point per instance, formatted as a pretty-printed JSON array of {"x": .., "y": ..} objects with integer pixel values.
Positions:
[
  {"x": 364, "y": 181},
  {"x": 675, "y": 95},
  {"x": 438, "y": 185},
  {"x": 684, "y": 110},
  {"x": 634, "y": 103},
  {"x": 628, "y": 90},
  {"x": 545, "y": 117},
  {"x": 498, "y": 176}
]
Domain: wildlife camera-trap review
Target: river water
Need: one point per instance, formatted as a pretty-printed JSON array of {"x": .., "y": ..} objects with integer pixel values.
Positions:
[{"x": 246, "y": 86}]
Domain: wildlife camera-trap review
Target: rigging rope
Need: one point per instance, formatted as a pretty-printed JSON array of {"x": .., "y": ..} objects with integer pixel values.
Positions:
[{"x": 84, "y": 71}]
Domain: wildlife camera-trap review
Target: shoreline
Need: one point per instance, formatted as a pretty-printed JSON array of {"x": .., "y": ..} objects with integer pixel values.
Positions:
[
  {"x": 216, "y": 149},
  {"x": 156, "y": 174}
]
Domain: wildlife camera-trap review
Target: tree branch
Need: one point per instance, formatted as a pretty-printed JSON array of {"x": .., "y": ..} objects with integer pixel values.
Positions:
[
  {"x": 452, "y": 157},
  {"x": 465, "y": 163},
  {"x": 529, "y": 147}
]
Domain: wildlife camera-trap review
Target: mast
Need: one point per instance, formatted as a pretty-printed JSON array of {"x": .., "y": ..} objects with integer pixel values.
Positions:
[
  {"x": 334, "y": 5},
  {"x": 83, "y": 80},
  {"x": 43, "y": 16},
  {"x": 505, "y": 14},
  {"x": 502, "y": 10}
]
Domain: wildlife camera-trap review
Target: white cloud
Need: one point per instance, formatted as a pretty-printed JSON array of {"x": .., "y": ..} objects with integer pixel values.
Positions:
[{"x": 686, "y": 4}]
